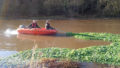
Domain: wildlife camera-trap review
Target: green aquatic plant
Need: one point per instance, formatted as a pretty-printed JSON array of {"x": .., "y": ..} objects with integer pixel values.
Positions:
[
  {"x": 96, "y": 36},
  {"x": 104, "y": 54},
  {"x": 108, "y": 54}
]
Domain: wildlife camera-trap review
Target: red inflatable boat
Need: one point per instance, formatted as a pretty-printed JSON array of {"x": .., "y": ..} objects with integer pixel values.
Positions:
[{"x": 36, "y": 31}]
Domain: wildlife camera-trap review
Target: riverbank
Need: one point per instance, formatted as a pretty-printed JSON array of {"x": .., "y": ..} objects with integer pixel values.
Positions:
[
  {"x": 65, "y": 8},
  {"x": 56, "y": 18}
]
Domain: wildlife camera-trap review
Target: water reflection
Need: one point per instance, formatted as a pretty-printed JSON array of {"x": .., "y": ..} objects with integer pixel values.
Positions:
[
  {"x": 7, "y": 53},
  {"x": 44, "y": 41},
  {"x": 39, "y": 38}
]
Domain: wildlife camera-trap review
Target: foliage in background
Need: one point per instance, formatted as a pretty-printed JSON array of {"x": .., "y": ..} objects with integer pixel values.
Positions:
[{"x": 65, "y": 8}]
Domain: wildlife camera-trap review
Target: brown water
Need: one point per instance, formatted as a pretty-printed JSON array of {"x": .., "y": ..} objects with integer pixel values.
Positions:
[
  {"x": 18, "y": 42},
  {"x": 10, "y": 42}
]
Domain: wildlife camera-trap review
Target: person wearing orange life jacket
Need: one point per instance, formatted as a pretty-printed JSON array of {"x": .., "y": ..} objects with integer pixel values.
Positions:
[{"x": 33, "y": 24}]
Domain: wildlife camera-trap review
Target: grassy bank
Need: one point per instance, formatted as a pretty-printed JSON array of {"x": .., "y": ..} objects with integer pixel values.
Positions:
[{"x": 106, "y": 54}]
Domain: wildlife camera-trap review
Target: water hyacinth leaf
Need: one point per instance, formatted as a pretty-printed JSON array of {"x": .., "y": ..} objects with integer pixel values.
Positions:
[{"x": 105, "y": 54}]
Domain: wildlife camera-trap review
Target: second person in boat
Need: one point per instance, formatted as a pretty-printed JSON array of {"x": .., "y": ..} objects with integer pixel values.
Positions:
[{"x": 47, "y": 25}]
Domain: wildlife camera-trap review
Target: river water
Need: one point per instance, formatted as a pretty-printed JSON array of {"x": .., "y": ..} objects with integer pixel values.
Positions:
[{"x": 11, "y": 42}]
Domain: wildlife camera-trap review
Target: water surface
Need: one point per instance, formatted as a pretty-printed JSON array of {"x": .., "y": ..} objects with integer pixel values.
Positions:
[{"x": 10, "y": 41}]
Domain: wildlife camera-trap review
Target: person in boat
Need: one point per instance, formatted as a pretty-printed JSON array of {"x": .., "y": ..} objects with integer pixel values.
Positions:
[
  {"x": 34, "y": 24},
  {"x": 47, "y": 25}
]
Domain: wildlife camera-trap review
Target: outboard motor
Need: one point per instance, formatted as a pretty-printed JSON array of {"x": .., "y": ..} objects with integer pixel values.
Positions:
[{"x": 22, "y": 26}]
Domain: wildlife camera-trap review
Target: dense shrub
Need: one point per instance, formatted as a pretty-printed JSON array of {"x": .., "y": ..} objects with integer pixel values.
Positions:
[{"x": 69, "y": 8}]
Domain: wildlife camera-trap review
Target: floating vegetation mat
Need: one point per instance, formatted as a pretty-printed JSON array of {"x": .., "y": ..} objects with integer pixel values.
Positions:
[{"x": 109, "y": 54}]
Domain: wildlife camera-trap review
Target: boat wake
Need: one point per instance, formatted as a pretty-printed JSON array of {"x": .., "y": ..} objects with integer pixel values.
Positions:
[{"x": 8, "y": 32}]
